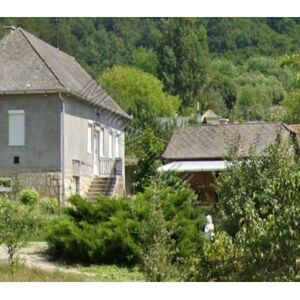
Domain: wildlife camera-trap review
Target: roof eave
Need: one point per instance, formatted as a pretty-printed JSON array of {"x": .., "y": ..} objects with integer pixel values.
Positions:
[
  {"x": 194, "y": 158},
  {"x": 78, "y": 95},
  {"x": 30, "y": 92},
  {"x": 54, "y": 91}
]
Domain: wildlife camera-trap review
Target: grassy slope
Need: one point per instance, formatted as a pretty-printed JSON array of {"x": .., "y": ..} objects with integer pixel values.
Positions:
[{"x": 93, "y": 273}]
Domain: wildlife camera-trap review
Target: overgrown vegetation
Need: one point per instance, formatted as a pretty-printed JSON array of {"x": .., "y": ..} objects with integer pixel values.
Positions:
[
  {"x": 29, "y": 196},
  {"x": 161, "y": 230},
  {"x": 23, "y": 218},
  {"x": 259, "y": 205},
  {"x": 257, "y": 235},
  {"x": 18, "y": 223},
  {"x": 122, "y": 231}
]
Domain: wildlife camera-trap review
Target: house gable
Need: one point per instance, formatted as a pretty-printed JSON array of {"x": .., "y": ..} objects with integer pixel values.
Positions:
[{"x": 31, "y": 65}]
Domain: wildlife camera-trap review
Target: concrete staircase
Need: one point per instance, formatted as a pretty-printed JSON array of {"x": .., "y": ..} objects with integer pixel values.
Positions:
[{"x": 101, "y": 186}]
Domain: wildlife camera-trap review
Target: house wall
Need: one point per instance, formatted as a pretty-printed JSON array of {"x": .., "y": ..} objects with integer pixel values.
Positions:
[
  {"x": 40, "y": 157},
  {"x": 40, "y": 160},
  {"x": 76, "y": 119},
  {"x": 41, "y": 151}
]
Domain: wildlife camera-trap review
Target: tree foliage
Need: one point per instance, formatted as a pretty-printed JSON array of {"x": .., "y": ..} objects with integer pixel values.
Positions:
[
  {"x": 183, "y": 57},
  {"x": 197, "y": 59},
  {"x": 148, "y": 148},
  {"x": 138, "y": 92},
  {"x": 292, "y": 105},
  {"x": 259, "y": 204}
]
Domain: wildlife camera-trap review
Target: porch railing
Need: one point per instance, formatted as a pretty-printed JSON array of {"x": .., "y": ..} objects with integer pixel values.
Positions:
[{"x": 110, "y": 167}]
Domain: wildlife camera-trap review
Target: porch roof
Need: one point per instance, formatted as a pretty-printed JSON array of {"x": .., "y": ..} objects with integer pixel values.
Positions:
[{"x": 195, "y": 166}]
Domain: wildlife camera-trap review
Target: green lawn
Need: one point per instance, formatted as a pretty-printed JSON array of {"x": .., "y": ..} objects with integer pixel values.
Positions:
[
  {"x": 24, "y": 274},
  {"x": 93, "y": 273},
  {"x": 111, "y": 273}
]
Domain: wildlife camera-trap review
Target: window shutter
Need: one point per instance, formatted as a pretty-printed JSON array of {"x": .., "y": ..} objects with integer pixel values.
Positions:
[{"x": 16, "y": 135}]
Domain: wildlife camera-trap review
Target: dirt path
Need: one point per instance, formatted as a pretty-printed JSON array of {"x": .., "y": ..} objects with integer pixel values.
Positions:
[{"x": 34, "y": 256}]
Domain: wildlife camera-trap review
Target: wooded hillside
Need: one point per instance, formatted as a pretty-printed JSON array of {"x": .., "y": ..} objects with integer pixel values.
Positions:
[{"x": 243, "y": 68}]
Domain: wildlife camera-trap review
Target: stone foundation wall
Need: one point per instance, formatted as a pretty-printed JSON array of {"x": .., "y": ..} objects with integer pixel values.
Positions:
[
  {"x": 84, "y": 184},
  {"x": 48, "y": 184}
]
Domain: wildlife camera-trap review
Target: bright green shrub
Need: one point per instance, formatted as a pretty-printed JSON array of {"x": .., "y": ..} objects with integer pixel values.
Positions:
[
  {"x": 219, "y": 260},
  {"x": 104, "y": 232},
  {"x": 29, "y": 196},
  {"x": 121, "y": 231}
]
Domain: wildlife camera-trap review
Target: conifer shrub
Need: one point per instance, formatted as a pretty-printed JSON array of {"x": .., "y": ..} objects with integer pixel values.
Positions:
[{"x": 120, "y": 231}]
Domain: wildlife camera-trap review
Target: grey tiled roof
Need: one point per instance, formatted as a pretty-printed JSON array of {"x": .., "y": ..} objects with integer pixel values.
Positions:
[
  {"x": 30, "y": 64},
  {"x": 213, "y": 141}
]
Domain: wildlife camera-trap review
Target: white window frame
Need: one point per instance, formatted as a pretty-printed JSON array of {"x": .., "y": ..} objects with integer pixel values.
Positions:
[
  {"x": 90, "y": 137},
  {"x": 97, "y": 128},
  {"x": 117, "y": 144},
  {"x": 101, "y": 142},
  {"x": 110, "y": 144},
  {"x": 12, "y": 139}
]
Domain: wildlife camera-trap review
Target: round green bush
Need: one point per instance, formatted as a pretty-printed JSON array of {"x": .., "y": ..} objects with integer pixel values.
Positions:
[{"x": 29, "y": 196}]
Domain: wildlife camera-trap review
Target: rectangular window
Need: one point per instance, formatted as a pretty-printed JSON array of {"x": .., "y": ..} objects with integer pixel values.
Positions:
[
  {"x": 101, "y": 142},
  {"x": 16, "y": 128},
  {"x": 117, "y": 144},
  {"x": 89, "y": 138},
  {"x": 110, "y": 146}
]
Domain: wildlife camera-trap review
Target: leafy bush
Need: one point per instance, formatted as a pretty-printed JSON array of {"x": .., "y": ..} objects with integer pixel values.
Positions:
[
  {"x": 159, "y": 250},
  {"x": 29, "y": 196},
  {"x": 18, "y": 223},
  {"x": 5, "y": 182},
  {"x": 219, "y": 260},
  {"x": 259, "y": 207}
]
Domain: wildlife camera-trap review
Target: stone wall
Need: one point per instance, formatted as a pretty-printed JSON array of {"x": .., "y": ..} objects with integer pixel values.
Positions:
[
  {"x": 49, "y": 184},
  {"x": 84, "y": 184},
  {"x": 46, "y": 183}
]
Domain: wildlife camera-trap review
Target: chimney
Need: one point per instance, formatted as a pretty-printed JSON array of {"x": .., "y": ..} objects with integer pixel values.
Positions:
[{"x": 9, "y": 29}]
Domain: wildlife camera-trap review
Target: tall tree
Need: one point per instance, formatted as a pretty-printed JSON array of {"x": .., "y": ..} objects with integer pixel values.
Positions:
[
  {"x": 183, "y": 56},
  {"x": 140, "y": 94}
]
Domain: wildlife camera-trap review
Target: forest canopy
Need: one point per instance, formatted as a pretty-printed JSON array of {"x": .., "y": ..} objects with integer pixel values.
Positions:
[{"x": 243, "y": 68}]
